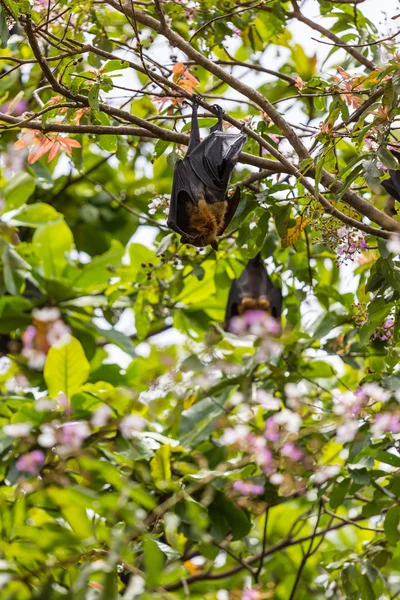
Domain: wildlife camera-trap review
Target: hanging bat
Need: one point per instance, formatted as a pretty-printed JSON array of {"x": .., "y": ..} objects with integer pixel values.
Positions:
[
  {"x": 200, "y": 208},
  {"x": 253, "y": 290},
  {"x": 392, "y": 186}
]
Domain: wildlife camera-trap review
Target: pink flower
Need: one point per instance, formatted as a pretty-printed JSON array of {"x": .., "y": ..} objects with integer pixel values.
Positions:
[
  {"x": 101, "y": 416},
  {"x": 130, "y": 425},
  {"x": 31, "y": 462},
  {"x": 271, "y": 430},
  {"x": 28, "y": 337},
  {"x": 57, "y": 331},
  {"x": 73, "y": 434},
  {"x": 291, "y": 451},
  {"x": 385, "y": 422},
  {"x": 326, "y": 473},
  {"x": 247, "y": 488},
  {"x": 346, "y": 432},
  {"x": 267, "y": 401},
  {"x": 251, "y": 595}
]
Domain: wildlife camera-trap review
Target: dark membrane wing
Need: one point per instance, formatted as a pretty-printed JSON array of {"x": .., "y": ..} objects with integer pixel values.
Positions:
[
  {"x": 274, "y": 295},
  {"x": 214, "y": 159},
  {"x": 232, "y": 304},
  {"x": 392, "y": 185},
  {"x": 186, "y": 186}
]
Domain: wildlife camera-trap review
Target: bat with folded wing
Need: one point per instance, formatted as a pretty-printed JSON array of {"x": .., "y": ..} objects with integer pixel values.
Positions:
[
  {"x": 253, "y": 290},
  {"x": 200, "y": 208}
]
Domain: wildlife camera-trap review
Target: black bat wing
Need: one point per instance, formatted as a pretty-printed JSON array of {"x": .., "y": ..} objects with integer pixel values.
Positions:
[
  {"x": 392, "y": 185},
  {"x": 233, "y": 303},
  {"x": 186, "y": 187},
  {"x": 215, "y": 158},
  {"x": 274, "y": 296}
]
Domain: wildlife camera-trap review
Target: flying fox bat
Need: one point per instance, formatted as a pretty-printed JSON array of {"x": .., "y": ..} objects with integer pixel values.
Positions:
[
  {"x": 253, "y": 290},
  {"x": 392, "y": 186},
  {"x": 200, "y": 208}
]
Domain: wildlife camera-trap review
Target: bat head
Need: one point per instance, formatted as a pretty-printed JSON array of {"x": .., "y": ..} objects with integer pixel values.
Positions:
[{"x": 260, "y": 303}]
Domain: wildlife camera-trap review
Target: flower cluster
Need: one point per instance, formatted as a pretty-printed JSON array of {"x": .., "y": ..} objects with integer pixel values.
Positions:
[
  {"x": 351, "y": 243},
  {"x": 46, "y": 330},
  {"x": 384, "y": 333},
  {"x": 351, "y": 407},
  {"x": 158, "y": 203}
]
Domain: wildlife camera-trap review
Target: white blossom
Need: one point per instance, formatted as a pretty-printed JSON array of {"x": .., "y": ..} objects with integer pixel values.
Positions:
[{"x": 17, "y": 430}]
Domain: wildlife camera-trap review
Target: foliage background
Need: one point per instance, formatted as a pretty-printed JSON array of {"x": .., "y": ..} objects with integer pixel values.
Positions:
[{"x": 145, "y": 452}]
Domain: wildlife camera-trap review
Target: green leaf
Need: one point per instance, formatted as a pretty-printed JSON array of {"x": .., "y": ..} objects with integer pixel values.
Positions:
[
  {"x": 93, "y": 97},
  {"x": 160, "y": 467},
  {"x": 223, "y": 511},
  {"x": 52, "y": 242},
  {"x": 114, "y": 65},
  {"x": 66, "y": 368},
  {"x": 388, "y": 458},
  {"x": 3, "y": 28},
  {"x": 36, "y": 215},
  {"x": 108, "y": 142},
  {"x": 391, "y": 525},
  {"x": 154, "y": 560},
  {"x": 18, "y": 190}
]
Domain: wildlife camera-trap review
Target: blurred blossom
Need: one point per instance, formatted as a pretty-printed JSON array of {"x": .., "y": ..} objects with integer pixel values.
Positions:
[
  {"x": 131, "y": 424},
  {"x": 294, "y": 393},
  {"x": 236, "y": 399},
  {"x": 28, "y": 336},
  {"x": 393, "y": 245},
  {"x": 347, "y": 403},
  {"x": 17, "y": 429},
  {"x": 262, "y": 454},
  {"x": 14, "y": 108},
  {"x": 47, "y": 438},
  {"x": 277, "y": 478},
  {"x": 326, "y": 473},
  {"x": 251, "y": 595},
  {"x": 72, "y": 435},
  {"x": 234, "y": 435},
  {"x": 58, "y": 332},
  {"x": 346, "y": 432},
  {"x": 254, "y": 322},
  {"x": 246, "y": 488},
  {"x": 271, "y": 432},
  {"x": 291, "y": 451},
  {"x": 44, "y": 404},
  {"x": 12, "y": 161},
  {"x": 385, "y": 423},
  {"x": 36, "y": 359},
  {"x": 46, "y": 314},
  {"x": 374, "y": 392},
  {"x": 18, "y": 383},
  {"x": 101, "y": 416},
  {"x": 397, "y": 395},
  {"x": 31, "y": 462},
  {"x": 290, "y": 420},
  {"x": 267, "y": 401}
]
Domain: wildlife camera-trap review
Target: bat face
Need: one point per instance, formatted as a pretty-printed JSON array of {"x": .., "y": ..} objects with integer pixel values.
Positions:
[
  {"x": 200, "y": 208},
  {"x": 255, "y": 304}
]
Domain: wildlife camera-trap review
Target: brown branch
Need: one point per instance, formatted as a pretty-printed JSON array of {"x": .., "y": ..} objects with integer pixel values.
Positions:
[
  {"x": 238, "y": 63},
  {"x": 225, "y": 16},
  {"x": 351, "y": 198},
  {"x": 287, "y": 543},
  {"x": 296, "y": 14}
]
